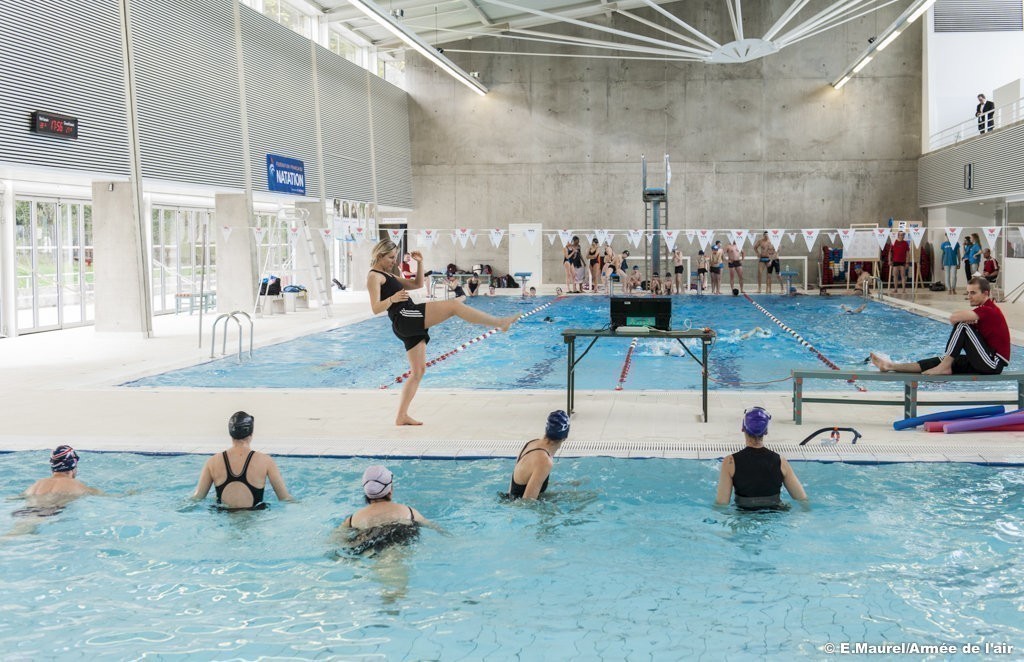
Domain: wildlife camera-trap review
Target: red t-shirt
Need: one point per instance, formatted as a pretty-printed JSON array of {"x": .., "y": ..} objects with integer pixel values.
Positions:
[
  {"x": 990, "y": 266},
  {"x": 899, "y": 251},
  {"x": 992, "y": 327}
]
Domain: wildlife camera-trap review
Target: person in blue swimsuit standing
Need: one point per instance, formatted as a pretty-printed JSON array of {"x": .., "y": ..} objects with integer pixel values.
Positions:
[
  {"x": 240, "y": 474},
  {"x": 533, "y": 465},
  {"x": 410, "y": 321}
]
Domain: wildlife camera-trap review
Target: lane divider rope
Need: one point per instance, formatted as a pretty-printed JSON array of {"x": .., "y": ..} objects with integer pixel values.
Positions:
[
  {"x": 480, "y": 338},
  {"x": 824, "y": 359},
  {"x": 626, "y": 364}
]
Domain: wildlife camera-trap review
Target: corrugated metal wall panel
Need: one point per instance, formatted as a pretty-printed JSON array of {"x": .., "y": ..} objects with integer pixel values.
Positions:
[
  {"x": 64, "y": 58},
  {"x": 279, "y": 97},
  {"x": 979, "y": 15},
  {"x": 186, "y": 80},
  {"x": 345, "y": 127},
  {"x": 998, "y": 168},
  {"x": 392, "y": 149}
]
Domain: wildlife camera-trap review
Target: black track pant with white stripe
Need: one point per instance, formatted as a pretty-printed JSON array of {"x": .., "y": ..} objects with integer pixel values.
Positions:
[{"x": 971, "y": 354}]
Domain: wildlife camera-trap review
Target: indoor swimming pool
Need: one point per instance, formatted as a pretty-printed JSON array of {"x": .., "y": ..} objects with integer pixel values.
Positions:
[
  {"x": 627, "y": 559},
  {"x": 752, "y": 352}
]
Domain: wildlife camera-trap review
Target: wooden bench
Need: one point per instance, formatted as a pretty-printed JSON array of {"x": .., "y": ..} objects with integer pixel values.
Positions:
[{"x": 910, "y": 383}]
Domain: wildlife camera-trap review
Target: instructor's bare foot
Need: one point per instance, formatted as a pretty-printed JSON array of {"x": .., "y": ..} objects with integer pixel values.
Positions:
[
  {"x": 407, "y": 420},
  {"x": 506, "y": 322},
  {"x": 882, "y": 363}
]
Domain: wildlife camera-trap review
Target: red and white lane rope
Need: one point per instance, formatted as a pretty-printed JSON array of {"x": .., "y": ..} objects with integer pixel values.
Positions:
[
  {"x": 480, "y": 338},
  {"x": 626, "y": 365},
  {"x": 824, "y": 359}
]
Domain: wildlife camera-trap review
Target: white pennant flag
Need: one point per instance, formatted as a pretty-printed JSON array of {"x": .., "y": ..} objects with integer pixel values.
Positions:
[
  {"x": 454, "y": 237},
  {"x": 953, "y": 234},
  {"x": 810, "y": 236},
  {"x": 733, "y": 236},
  {"x": 472, "y": 237},
  {"x": 565, "y": 236},
  {"x": 608, "y": 236},
  {"x": 463, "y": 235},
  {"x": 690, "y": 234},
  {"x": 750, "y": 238},
  {"x": 705, "y": 237},
  {"x": 293, "y": 234},
  {"x": 1020, "y": 229},
  {"x": 551, "y": 238},
  {"x": 326, "y": 234},
  {"x": 259, "y": 233},
  {"x": 882, "y": 237},
  {"x": 634, "y": 237},
  {"x": 226, "y": 231},
  {"x": 917, "y": 234},
  {"x": 650, "y": 237},
  {"x": 741, "y": 236},
  {"x": 427, "y": 238},
  {"x": 602, "y": 236},
  {"x": 670, "y": 237},
  {"x": 792, "y": 237},
  {"x": 831, "y": 237},
  {"x": 775, "y": 236},
  {"x": 531, "y": 235},
  {"x": 497, "y": 234},
  {"x": 846, "y": 236},
  {"x": 396, "y": 235},
  {"x": 590, "y": 238},
  {"x": 992, "y": 234}
]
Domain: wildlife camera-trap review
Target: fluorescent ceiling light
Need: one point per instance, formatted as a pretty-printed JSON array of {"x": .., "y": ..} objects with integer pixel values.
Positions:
[
  {"x": 842, "y": 81},
  {"x": 388, "y": 22},
  {"x": 863, "y": 63},
  {"x": 888, "y": 40},
  {"x": 925, "y": 6}
]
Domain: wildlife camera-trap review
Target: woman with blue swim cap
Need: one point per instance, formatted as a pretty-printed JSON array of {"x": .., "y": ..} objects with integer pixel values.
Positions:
[
  {"x": 532, "y": 470},
  {"x": 756, "y": 473}
]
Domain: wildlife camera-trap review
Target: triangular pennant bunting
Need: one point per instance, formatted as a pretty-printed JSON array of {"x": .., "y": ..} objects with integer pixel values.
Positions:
[
  {"x": 992, "y": 234},
  {"x": 881, "y": 236},
  {"x": 634, "y": 237},
  {"x": 396, "y": 235},
  {"x": 259, "y": 233},
  {"x": 917, "y": 235},
  {"x": 325, "y": 234},
  {"x": 226, "y": 231},
  {"x": 810, "y": 236},
  {"x": 454, "y": 237},
  {"x": 427, "y": 238},
  {"x": 846, "y": 236},
  {"x": 831, "y": 237},
  {"x": 705, "y": 237},
  {"x": 792, "y": 237},
  {"x": 531, "y": 235},
  {"x": 690, "y": 234},
  {"x": 775, "y": 236},
  {"x": 953, "y": 234},
  {"x": 463, "y": 235},
  {"x": 497, "y": 234},
  {"x": 602, "y": 236},
  {"x": 551, "y": 238},
  {"x": 670, "y": 237},
  {"x": 565, "y": 236}
]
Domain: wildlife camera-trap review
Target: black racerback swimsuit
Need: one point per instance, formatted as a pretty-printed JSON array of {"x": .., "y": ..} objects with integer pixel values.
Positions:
[
  {"x": 257, "y": 492},
  {"x": 515, "y": 490}
]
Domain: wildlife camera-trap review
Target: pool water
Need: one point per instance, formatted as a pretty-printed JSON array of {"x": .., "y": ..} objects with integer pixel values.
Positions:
[
  {"x": 533, "y": 354},
  {"x": 627, "y": 559}
]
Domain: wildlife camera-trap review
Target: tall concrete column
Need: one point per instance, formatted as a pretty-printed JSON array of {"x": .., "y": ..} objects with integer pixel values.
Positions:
[
  {"x": 121, "y": 282},
  {"x": 8, "y": 263},
  {"x": 236, "y": 257},
  {"x": 303, "y": 265}
]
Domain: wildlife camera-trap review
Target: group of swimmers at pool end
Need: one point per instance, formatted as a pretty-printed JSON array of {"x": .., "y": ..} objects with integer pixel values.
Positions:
[{"x": 239, "y": 476}]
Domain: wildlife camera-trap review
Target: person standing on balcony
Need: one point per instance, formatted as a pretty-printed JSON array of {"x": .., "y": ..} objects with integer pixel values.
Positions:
[{"x": 985, "y": 112}]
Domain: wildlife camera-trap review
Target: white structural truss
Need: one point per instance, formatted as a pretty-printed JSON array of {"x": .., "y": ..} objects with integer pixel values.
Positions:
[{"x": 653, "y": 30}]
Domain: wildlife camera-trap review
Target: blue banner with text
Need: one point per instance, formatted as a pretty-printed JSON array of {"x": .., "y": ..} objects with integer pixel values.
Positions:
[{"x": 285, "y": 175}]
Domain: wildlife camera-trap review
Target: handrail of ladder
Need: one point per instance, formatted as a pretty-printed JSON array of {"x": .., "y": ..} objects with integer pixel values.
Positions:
[{"x": 233, "y": 315}]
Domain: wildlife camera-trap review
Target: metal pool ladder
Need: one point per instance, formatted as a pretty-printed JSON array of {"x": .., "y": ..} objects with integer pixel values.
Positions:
[{"x": 233, "y": 315}]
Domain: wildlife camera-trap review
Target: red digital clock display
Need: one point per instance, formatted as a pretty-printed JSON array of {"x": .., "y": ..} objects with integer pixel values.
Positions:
[{"x": 54, "y": 124}]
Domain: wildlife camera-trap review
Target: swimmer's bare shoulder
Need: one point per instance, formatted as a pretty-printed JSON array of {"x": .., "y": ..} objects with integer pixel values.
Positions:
[{"x": 62, "y": 486}]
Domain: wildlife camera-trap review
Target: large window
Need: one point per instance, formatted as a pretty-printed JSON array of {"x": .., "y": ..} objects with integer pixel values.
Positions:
[{"x": 288, "y": 15}]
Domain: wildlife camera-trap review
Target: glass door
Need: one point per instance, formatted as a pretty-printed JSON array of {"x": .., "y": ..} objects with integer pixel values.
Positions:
[
  {"x": 178, "y": 242},
  {"x": 54, "y": 277}
]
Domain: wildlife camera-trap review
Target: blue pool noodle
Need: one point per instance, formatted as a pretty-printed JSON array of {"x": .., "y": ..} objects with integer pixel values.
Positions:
[{"x": 952, "y": 415}]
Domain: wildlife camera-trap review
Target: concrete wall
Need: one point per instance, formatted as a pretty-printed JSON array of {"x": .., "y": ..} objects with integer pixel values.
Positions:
[{"x": 762, "y": 144}]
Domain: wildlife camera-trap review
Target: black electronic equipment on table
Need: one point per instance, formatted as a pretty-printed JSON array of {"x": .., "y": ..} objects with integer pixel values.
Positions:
[{"x": 640, "y": 314}]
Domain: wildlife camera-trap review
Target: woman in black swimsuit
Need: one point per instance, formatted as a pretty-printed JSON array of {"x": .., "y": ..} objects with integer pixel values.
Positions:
[
  {"x": 241, "y": 489},
  {"x": 382, "y": 523},
  {"x": 593, "y": 255},
  {"x": 410, "y": 321},
  {"x": 532, "y": 470}
]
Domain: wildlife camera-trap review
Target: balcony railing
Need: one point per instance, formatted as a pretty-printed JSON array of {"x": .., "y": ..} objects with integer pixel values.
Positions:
[{"x": 1003, "y": 116}]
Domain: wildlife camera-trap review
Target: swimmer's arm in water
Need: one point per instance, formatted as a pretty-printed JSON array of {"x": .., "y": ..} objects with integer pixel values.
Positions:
[
  {"x": 205, "y": 482},
  {"x": 724, "y": 494},
  {"x": 792, "y": 483},
  {"x": 420, "y": 519},
  {"x": 277, "y": 482}
]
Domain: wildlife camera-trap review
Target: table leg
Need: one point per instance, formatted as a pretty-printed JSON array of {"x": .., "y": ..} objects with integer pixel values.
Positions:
[
  {"x": 798, "y": 400},
  {"x": 570, "y": 376},
  {"x": 704, "y": 376}
]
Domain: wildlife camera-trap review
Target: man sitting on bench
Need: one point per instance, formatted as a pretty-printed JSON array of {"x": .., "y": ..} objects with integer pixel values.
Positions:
[{"x": 978, "y": 345}]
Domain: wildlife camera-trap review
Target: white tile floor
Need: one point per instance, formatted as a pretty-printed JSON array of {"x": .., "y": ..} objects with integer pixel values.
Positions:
[{"x": 60, "y": 387}]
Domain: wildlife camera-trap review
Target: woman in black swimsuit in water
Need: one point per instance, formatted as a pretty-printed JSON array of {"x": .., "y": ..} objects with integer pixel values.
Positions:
[
  {"x": 410, "y": 321},
  {"x": 533, "y": 466}
]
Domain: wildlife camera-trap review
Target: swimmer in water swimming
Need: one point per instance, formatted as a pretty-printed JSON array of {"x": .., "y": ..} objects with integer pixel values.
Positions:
[
  {"x": 49, "y": 496},
  {"x": 756, "y": 331},
  {"x": 853, "y": 311},
  {"x": 382, "y": 523}
]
